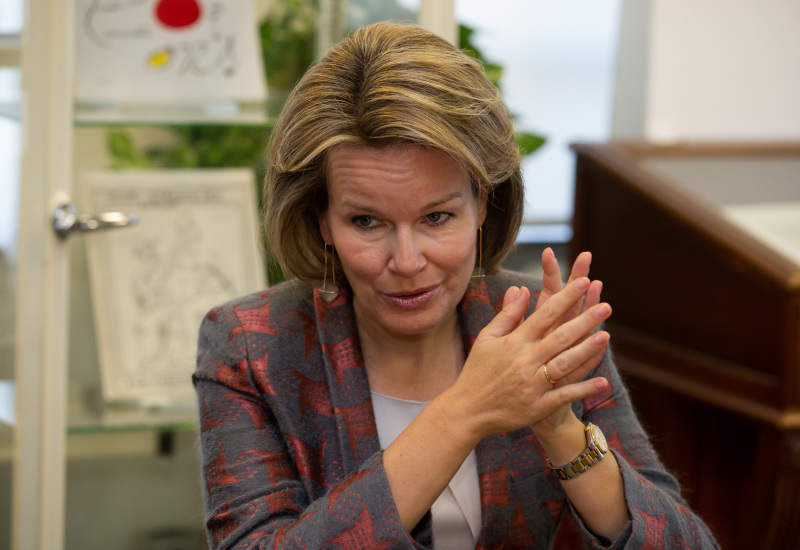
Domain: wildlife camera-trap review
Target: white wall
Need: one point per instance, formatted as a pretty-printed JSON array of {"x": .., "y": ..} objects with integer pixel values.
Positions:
[{"x": 709, "y": 70}]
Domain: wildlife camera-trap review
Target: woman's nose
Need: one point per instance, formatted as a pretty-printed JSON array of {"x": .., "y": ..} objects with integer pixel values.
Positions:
[{"x": 407, "y": 258}]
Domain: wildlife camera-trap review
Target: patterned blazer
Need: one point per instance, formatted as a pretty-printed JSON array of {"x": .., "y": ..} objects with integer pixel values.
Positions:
[{"x": 290, "y": 449}]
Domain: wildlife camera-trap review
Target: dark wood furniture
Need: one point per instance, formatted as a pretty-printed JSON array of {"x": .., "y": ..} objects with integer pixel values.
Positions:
[{"x": 706, "y": 322}]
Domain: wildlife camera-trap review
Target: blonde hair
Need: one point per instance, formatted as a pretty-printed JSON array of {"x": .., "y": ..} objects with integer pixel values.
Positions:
[{"x": 384, "y": 84}]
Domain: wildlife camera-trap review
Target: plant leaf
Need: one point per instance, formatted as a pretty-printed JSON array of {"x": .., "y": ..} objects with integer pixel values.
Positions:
[{"x": 528, "y": 143}]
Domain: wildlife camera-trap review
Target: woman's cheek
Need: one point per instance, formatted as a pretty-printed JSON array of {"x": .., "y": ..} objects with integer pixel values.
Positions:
[
  {"x": 456, "y": 250},
  {"x": 362, "y": 259}
]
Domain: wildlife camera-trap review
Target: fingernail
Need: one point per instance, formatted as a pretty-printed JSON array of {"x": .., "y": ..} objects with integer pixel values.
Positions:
[
  {"x": 604, "y": 310},
  {"x": 582, "y": 283},
  {"x": 600, "y": 383},
  {"x": 599, "y": 339},
  {"x": 519, "y": 294}
]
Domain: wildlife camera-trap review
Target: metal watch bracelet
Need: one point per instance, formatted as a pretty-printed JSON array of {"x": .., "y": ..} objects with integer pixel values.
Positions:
[{"x": 594, "y": 453}]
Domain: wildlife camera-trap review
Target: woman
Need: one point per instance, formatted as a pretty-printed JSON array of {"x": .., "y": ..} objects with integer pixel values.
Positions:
[{"x": 391, "y": 395}]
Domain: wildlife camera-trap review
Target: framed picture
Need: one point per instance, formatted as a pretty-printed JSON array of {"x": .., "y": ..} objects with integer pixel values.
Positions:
[
  {"x": 194, "y": 247},
  {"x": 167, "y": 51}
]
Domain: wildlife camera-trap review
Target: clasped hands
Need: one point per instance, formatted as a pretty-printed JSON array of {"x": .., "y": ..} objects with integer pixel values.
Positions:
[{"x": 503, "y": 384}]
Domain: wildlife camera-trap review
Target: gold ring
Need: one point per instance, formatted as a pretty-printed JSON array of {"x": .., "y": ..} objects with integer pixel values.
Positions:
[{"x": 548, "y": 377}]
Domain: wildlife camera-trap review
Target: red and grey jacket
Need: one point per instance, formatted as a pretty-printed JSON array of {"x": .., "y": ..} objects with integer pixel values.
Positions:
[{"x": 290, "y": 450}]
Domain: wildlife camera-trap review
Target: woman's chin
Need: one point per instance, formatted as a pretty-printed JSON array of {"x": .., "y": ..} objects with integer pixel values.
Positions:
[{"x": 416, "y": 322}]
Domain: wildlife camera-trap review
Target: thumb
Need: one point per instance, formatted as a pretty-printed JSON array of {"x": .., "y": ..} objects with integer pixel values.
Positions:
[{"x": 515, "y": 304}]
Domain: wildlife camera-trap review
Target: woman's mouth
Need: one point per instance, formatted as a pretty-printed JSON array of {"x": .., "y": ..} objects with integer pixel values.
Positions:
[{"x": 413, "y": 299}]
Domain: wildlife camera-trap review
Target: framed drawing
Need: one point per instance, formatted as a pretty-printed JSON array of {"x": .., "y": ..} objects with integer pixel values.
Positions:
[
  {"x": 195, "y": 246},
  {"x": 167, "y": 51}
]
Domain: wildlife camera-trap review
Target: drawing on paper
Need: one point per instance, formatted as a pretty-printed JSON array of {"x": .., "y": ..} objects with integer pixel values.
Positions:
[
  {"x": 168, "y": 273},
  {"x": 162, "y": 50},
  {"x": 194, "y": 247}
]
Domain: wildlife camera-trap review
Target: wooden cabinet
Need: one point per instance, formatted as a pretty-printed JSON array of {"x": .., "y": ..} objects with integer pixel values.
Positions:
[{"x": 706, "y": 323}]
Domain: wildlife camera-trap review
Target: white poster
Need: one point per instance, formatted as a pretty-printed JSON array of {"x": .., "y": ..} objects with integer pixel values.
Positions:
[
  {"x": 195, "y": 247},
  {"x": 162, "y": 51}
]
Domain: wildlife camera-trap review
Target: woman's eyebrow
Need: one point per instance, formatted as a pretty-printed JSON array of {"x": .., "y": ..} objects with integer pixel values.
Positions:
[
  {"x": 358, "y": 206},
  {"x": 433, "y": 204},
  {"x": 448, "y": 198}
]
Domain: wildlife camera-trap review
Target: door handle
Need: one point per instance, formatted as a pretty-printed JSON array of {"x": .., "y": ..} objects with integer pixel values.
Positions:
[{"x": 66, "y": 220}]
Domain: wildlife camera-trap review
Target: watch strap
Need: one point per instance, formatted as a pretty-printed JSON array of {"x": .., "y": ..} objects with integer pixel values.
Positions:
[{"x": 588, "y": 458}]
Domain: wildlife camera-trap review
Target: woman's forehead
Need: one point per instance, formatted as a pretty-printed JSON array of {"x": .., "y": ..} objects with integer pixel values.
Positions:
[{"x": 363, "y": 169}]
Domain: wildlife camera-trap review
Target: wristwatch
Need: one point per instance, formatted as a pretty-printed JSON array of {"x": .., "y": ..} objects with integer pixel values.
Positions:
[{"x": 596, "y": 449}]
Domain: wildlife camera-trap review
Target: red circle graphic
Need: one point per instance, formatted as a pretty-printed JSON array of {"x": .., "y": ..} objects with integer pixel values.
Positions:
[{"x": 178, "y": 13}]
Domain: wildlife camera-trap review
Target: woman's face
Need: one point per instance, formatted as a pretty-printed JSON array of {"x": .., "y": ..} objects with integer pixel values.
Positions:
[{"x": 404, "y": 222}]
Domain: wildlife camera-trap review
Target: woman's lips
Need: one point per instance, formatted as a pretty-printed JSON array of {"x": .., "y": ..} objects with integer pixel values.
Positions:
[{"x": 413, "y": 299}]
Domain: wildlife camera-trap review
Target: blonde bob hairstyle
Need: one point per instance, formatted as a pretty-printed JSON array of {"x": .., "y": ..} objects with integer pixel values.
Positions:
[{"x": 387, "y": 84}]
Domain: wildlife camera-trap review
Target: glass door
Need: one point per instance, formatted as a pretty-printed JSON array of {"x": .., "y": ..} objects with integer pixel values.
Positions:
[
  {"x": 35, "y": 131},
  {"x": 10, "y": 27},
  {"x": 9, "y": 193}
]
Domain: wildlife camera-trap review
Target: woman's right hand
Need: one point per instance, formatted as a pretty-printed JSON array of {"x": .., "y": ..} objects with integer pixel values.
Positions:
[{"x": 503, "y": 386}]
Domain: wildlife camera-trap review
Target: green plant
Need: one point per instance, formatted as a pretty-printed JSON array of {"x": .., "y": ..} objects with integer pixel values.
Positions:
[
  {"x": 287, "y": 46},
  {"x": 526, "y": 141}
]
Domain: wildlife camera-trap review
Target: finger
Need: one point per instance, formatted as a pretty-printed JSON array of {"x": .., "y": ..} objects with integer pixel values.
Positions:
[
  {"x": 553, "y": 308},
  {"x": 592, "y": 297},
  {"x": 551, "y": 280},
  {"x": 569, "y": 393},
  {"x": 569, "y": 333},
  {"x": 510, "y": 295},
  {"x": 580, "y": 268},
  {"x": 586, "y": 367},
  {"x": 566, "y": 366},
  {"x": 509, "y": 317}
]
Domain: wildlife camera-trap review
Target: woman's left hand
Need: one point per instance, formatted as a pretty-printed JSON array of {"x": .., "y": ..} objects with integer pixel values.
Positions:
[{"x": 551, "y": 284}]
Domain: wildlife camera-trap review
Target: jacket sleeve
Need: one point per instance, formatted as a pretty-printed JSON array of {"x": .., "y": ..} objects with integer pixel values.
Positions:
[
  {"x": 254, "y": 495},
  {"x": 660, "y": 518}
]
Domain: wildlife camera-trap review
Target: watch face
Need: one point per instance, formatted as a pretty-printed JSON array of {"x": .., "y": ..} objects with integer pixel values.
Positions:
[{"x": 599, "y": 439}]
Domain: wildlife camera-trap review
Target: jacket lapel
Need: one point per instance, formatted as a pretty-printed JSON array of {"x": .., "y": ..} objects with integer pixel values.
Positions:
[
  {"x": 347, "y": 379},
  {"x": 478, "y": 308}
]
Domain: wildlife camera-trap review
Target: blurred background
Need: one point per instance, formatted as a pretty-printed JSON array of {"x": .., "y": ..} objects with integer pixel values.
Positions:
[{"x": 684, "y": 183}]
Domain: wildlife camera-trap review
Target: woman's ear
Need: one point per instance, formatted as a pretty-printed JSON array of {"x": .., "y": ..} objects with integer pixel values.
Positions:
[
  {"x": 324, "y": 229},
  {"x": 482, "y": 200}
]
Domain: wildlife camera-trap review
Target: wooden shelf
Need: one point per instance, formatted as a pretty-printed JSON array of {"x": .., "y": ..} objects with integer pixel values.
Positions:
[{"x": 87, "y": 415}]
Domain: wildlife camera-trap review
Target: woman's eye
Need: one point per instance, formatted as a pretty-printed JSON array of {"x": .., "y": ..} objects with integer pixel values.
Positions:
[
  {"x": 363, "y": 221},
  {"x": 436, "y": 217}
]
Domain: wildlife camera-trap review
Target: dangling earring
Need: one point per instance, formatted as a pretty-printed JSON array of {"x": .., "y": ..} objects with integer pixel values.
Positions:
[
  {"x": 478, "y": 272},
  {"x": 329, "y": 292}
]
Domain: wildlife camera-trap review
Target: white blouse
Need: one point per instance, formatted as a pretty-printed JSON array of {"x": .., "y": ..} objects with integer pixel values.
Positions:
[{"x": 457, "y": 512}]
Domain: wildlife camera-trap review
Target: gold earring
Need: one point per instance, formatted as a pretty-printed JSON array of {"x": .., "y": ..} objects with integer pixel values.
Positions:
[
  {"x": 329, "y": 292},
  {"x": 478, "y": 272}
]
